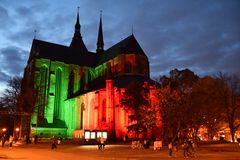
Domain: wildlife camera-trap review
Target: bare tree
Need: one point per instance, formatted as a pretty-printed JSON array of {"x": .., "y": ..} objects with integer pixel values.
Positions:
[
  {"x": 11, "y": 94},
  {"x": 230, "y": 95},
  {"x": 206, "y": 104}
]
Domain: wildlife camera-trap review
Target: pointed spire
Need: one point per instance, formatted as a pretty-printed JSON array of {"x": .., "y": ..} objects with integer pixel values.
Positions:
[
  {"x": 77, "y": 25},
  {"x": 100, "y": 42},
  {"x": 77, "y": 42}
]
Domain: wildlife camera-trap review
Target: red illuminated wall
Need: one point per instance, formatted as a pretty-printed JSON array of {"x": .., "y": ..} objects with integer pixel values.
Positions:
[{"x": 114, "y": 118}]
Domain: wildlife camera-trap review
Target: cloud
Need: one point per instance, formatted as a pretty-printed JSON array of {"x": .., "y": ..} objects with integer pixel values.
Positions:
[
  {"x": 4, "y": 76},
  {"x": 199, "y": 35},
  {"x": 12, "y": 60}
]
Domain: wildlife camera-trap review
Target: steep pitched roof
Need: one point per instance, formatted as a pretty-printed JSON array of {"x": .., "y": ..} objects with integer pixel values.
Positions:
[
  {"x": 56, "y": 52},
  {"x": 127, "y": 46}
]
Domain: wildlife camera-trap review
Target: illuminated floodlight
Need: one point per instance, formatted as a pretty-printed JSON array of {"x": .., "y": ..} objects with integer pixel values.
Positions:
[
  {"x": 99, "y": 134},
  {"x": 4, "y": 129},
  {"x": 104, "y": 135},
  {"x": 93, "y": 135},
  {"x": 17, "y": 129},
  {"x": 87, "y": 134}
]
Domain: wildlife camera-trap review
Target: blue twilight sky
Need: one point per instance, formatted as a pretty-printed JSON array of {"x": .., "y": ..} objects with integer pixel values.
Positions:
[{"x": 202, "y": 35}]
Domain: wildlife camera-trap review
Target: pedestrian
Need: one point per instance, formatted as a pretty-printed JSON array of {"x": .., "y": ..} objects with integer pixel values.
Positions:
[
  {"x": 35, "y": 139},
  {"x": 174, "y": 149},
  {"x": 54, "y": 141},
  {"x": 61, "y": 139},
  {"x": 124, "y": 139},
  {"x": 170, "y": 147},
  {"x": 102, "y": 141},
  {"x": 193, "y": 147},
  {"x": 3, "y": 140},
  {"x": 99, "y": 143},
  {"x": 10, "y": 141},
  {"x": 185, "y": 147},
  {"x": 28, "y": 139}
]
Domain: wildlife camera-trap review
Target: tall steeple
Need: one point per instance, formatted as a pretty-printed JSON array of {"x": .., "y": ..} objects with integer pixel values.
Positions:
[
  {"x": 77, "y": 42},
  {"x": 100, "y": 42},
  {"x": 77, "y": 26}
]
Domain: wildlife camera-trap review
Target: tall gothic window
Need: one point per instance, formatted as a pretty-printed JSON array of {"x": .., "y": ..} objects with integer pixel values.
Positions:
[
  {"x": 104, "y": 110},
  {"x": 82, "y": 82},
  {"x": 43, "y": 90},
  {"x": 57, "y": 100},
  {"x": 71, "y": 84},
  {"x": 81, "y": 114}
]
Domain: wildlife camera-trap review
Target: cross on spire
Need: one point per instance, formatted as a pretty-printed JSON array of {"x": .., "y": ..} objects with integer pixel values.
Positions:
[{"x": 35, "y": 34}]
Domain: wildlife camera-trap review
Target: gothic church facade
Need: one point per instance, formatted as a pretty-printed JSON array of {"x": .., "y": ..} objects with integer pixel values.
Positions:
[{"x": 81, "y": 90}]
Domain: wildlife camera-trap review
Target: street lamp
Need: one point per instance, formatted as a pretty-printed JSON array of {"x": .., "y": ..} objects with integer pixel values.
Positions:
[
  {"x": 17, "y": 132},
  {"x": 4, "y": 129}
]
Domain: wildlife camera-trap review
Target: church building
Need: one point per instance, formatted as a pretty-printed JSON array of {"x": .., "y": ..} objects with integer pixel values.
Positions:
[{"x": 79, "y": 91}]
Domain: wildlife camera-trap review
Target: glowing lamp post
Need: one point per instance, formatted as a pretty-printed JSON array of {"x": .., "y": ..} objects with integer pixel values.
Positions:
[
  {"x": 4, "y": 129},
  {"x": 17, "y": 131}
]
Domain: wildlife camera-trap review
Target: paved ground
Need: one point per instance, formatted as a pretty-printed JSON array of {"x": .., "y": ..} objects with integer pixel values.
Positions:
[{"x": 68, "y": 151}]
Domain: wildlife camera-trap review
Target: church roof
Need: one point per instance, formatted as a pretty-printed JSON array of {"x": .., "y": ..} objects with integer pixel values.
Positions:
[
  {"x": 127, "y": 46},
  {"x": 71, "y": 55},
  {"x": 56, "y": 52}
]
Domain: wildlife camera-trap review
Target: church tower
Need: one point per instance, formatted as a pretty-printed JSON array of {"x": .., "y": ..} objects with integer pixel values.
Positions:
[{"x": 77, "y": 42}]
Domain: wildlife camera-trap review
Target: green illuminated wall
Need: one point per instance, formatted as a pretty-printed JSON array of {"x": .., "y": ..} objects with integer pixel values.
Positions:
[{"x": 51, "y": 79}]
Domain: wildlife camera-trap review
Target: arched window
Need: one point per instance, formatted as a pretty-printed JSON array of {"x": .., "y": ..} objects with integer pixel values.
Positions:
[
  {"x": 57, "y": 101},
  {"x": 82, "y": 82},
  {"x": 81, "y": 114},
  {"x": 89, "y": 76},
  {"x": 71, "y": 84},
  {"x": 43, "y": 89},
  {"x": 104, "y": 110}
]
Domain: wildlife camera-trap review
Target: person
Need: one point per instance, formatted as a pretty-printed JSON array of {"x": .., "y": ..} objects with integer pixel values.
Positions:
[
  {"x": 170, "y": 147},
  {"x": 54, "y": 141},
  {"x": 146, "y": 143},
  {"x": 3, "y": 140},
  {"x": 35, "y": 139},
  {"x": 175, "y": 148},
  {"x": 10, "y": 141},
  {"x": 126, "y": 136},
  {"x": 185, "y": 147},
  {"x": 99, "y": 143},
  {"x": 28, "y": 139},
  {"x": 102, "y": 143},
  {"x": 193, "y": 148},
  {"x": 61, "y": 139},
  {"x": 124, "y": 139}
]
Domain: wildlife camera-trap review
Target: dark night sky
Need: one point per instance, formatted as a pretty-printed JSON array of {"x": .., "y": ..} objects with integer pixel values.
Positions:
[{"x": 201, "y": 35}]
